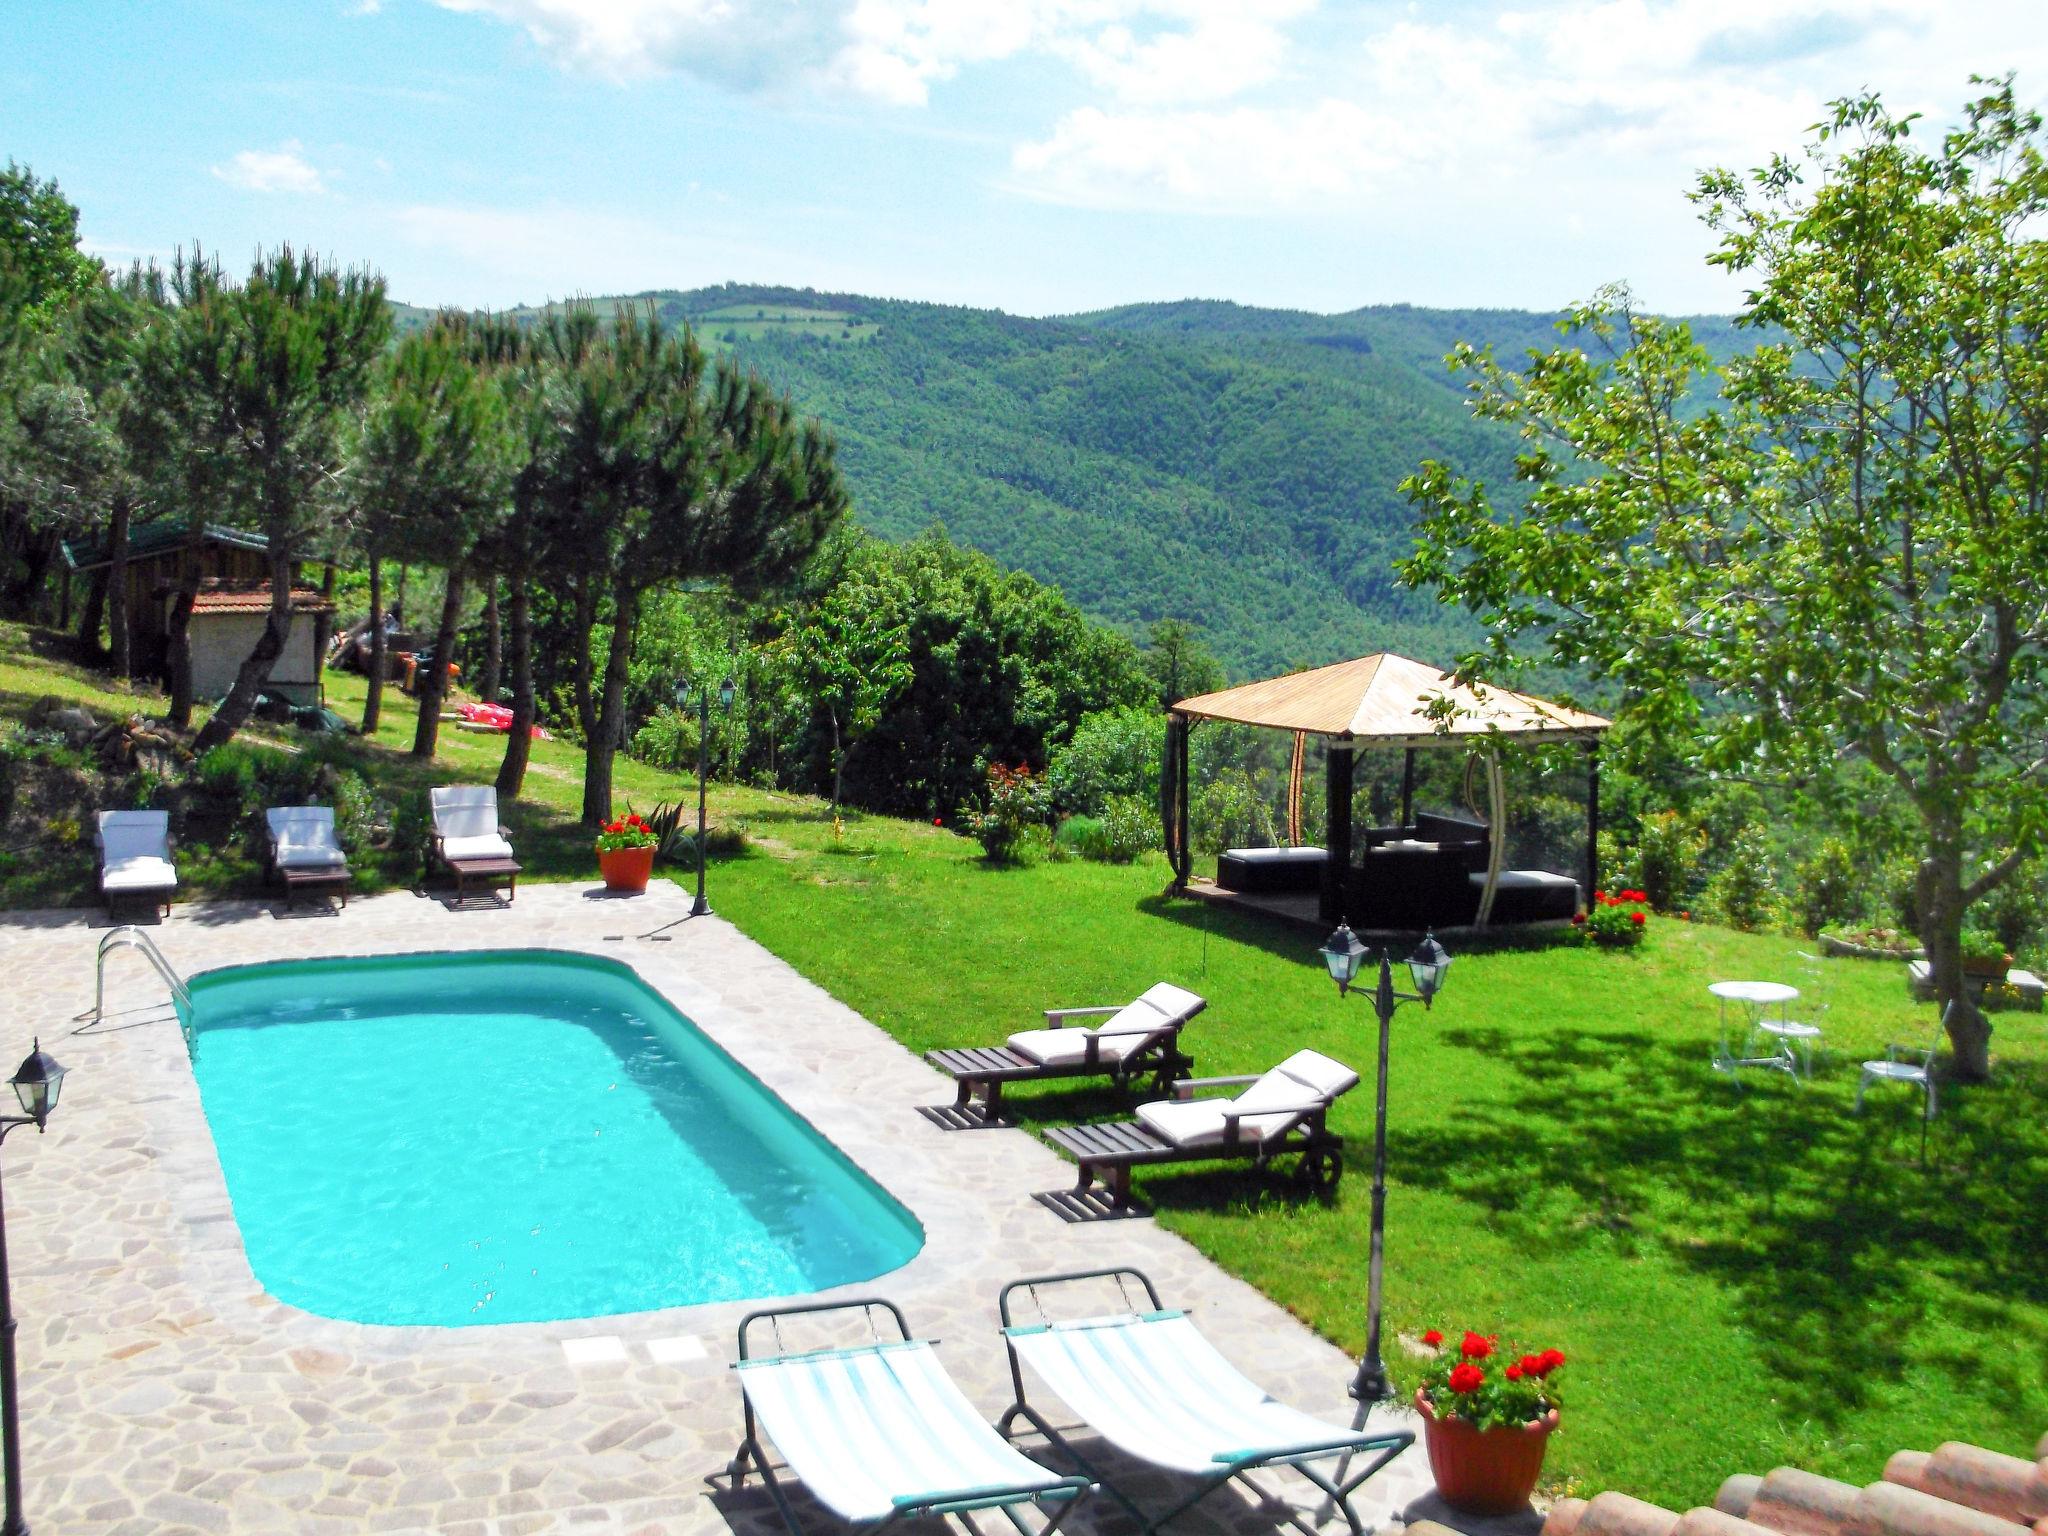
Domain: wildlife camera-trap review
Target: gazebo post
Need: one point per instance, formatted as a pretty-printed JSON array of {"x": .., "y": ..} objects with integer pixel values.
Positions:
[
  {"x": 1408, "y": 788},
  {"x": 1592, "y": 817},
  {"x": 1337, "y": 857},
  {"x": 1185, "y": 725}
]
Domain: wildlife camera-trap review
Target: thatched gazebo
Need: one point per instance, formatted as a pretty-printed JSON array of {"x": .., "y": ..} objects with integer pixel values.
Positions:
[{"x": 1425, "y": 871}]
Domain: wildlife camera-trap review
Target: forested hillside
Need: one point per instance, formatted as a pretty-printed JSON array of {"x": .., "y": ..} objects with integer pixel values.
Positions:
[{"x": 1231, "y": 466}]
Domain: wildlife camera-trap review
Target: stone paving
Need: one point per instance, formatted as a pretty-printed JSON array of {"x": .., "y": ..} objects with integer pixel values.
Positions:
[{"x": 164, "y": 1392}]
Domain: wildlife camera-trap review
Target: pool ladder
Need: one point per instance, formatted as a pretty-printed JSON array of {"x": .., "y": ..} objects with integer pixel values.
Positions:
[{"x": 127, "y": 936}]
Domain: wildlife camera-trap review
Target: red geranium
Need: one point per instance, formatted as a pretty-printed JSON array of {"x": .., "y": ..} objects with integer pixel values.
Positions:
[
  {"x": 1434, "y": 1337},
  {"x": 1637, "y": 918},
  {"x": 1455, "y": 1385}
]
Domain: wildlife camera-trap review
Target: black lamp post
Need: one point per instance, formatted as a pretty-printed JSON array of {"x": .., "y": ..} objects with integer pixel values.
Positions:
[
  {"x": 36, "y": 1083},
  {"x": 1342, "y": 953},
  {"x": 700, "y": 907}
]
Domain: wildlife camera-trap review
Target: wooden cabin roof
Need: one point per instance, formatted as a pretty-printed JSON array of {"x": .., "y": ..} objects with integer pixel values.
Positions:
[{"x": 160, "y": 536}]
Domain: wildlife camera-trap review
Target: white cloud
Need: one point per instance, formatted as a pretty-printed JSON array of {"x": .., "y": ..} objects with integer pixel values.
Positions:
[
  {"x": 284, "y": 169},
  {"x": 894, "y": 51},
  {"x": 1232, "y": 160}
]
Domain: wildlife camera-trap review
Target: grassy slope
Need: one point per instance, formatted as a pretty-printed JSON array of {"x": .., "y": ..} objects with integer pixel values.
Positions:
[{"x": 1739, "y": 1282}]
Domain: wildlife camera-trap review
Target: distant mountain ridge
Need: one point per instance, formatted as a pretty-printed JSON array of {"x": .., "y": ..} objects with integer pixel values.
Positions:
[{"x": 1233, "y": 466}]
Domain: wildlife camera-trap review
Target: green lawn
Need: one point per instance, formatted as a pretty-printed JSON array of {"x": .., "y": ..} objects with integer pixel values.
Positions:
[{"x": 1738, "y": 1282}]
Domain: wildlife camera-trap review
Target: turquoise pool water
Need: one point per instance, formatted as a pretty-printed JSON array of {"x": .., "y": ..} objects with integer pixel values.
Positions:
[{"x": 512, "y": 1136}]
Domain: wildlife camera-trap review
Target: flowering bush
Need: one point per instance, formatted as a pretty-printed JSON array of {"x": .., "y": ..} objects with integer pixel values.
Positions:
[
  {"x": 1017, "y": 799},
  {"x": 1487, "y": 1386},
  {"x": 627, "y": 831},
  {"x": 1618, "y": 920}
]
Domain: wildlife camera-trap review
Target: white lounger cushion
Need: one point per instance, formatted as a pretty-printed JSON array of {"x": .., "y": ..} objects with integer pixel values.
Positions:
[
  {"x": 1121, "y": 1033},
  {"x": 1301, "y": 1081},
  {"x": 303, "y": 836},
  {"x": 489, "y": 846},
  {"x": 135, "y": 848},
  {"x": 1058, "y": 1047},
  {"x": 1154, "y": 1387},
  {"x": 466, "y": 810},
  {"x": 869, "y": 1429},
  {"x": 139, "y": 874}
]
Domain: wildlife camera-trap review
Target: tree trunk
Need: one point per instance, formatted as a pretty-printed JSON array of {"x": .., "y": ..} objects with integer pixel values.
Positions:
[
  {"x": 93, "y": 613},
  {"x": 599, "y": 750},
  {"x": 178, "y": 645},
  {"x": 494, "y": 646},
  {"x": 1942, "y": 908},
  {"x": 585, "y": 609},
  {"x": 323, "y": 634},
  {"x": 838, "y": 768},
  {"x": 433, "y": 689},
  {"x": 120, "y": 651},
  {"x": 254, "y": 671},
  {"x": 519, "y": 739},
  {"x": 380, "y": 649}
]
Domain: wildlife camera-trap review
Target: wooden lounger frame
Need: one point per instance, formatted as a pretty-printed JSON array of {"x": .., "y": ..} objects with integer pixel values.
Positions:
[
  {"x": 983, "y": 1070},
  {"x": 1109, "y": 1152}
]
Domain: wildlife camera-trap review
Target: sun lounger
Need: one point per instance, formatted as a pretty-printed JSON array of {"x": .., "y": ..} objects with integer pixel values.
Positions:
[
  {"x": 467, "y": 839},
  {"x": 1280, "y": 1112},
  {"x": 305, "y": 853},
  {"x": 880, "y": 1433},
  {"x": 135, "y": 858},
  {"x": 1151, "y": 1385},
  {"x": 1140, "y": 1038}
]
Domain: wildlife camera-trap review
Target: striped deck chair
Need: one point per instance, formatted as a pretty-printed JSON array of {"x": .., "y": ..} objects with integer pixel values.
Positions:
[
  {"x": 879, "y": 1433},
  {"x": 1152, "y": 1386}
]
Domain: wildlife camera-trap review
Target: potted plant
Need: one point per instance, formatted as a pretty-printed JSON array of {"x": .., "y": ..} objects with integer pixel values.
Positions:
[
  {"x": 625, "y": 853},
  {"x": 1615, "y": 921},
  {"x": 1984, "y": 955},
  {"x": 1487, "y": 1417}
]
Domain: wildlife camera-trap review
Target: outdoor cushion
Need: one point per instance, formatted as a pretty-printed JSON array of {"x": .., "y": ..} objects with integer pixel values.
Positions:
[
  {"x": 1318, "y": 1072},
  {"x": 1302, "y": 1079},
  {"x": 304, "y": 837},
  {"x": 141, "y": 873},
  {"x": 1161, "y": 1004},
  {"x": 1411, "y": 845},
  {"x": 486, "y": 846},
  {"x": 466, "y": 810},
  {"x": 1059, "y": 1047},
  {"x": 134, "y": 834}
]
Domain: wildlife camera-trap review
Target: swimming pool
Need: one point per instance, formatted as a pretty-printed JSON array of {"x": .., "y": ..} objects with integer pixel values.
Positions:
[{"x": 512, "y": 1136}]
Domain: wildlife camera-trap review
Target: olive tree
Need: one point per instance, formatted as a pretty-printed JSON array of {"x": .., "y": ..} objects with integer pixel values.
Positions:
[{"x": 1832, "y": 544}]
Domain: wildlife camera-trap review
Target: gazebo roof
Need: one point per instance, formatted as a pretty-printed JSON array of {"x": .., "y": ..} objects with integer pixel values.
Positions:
[{"x": 1385, "y": 698}]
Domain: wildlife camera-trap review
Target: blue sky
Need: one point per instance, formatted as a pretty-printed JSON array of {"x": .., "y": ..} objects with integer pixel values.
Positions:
[{"x": 1039, "y": 156}]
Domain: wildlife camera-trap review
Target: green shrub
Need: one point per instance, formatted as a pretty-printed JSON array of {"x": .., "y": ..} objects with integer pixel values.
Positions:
[
  {"x": 2016, "y": 911},
  {"x": 1081, "y": 837},
  {"x": 1745, "y": 894},
  {"x": 1113, "y": 752},
  {"x": 357, "y": 810},
  {"x": 1229, "y": 812},
  {"x": 1017, "y": 801},
  {"x": 1130, "y": 827},
  {"x": 1667, "y": 859},
  {"x": 412, "y": 826},
  {"x": 667, "y": 740},
  {"x": 1825, "y": 886}
]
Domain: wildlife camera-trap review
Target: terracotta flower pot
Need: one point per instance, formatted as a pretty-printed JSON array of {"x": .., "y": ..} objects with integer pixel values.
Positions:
[
  {"x": 1489, "y": 1471},
  {"x": 625, "y": 869}
]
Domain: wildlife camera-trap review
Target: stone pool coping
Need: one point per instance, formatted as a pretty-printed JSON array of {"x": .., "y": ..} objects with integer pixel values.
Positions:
[{"x": 164, "y": 1392}]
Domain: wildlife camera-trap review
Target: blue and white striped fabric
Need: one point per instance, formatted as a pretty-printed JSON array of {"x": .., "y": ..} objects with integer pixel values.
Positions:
[
  {"x": 873, "y": 1430},
  {"x": 1153, "y": 1386}
]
